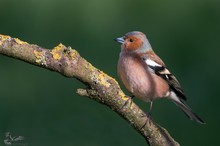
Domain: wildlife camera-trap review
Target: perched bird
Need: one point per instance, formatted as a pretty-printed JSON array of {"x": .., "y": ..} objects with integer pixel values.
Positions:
[{"x": 145, "y": 75}]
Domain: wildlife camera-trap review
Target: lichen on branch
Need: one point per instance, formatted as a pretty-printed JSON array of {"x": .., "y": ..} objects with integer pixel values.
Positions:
[{"x": 99, "y": 86}]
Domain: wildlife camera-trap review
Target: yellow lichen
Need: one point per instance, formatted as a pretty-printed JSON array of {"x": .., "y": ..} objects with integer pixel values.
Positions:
[
  {"x": 73, "y": 54},
  {"x": 69, "y": 52},
  {"x": 3, "y": 38},
  {"x": 114, "y": 80},
  {"x": 89, "y": 66},
  {"x": 99, "y": 78},
  {"x": 19, "y": 41},
  {"x": 40, "y": 58},
  {"x": 123, "y": 96},
  {"x": 56, "y": 55},
  {"x": 102, "y": 79},
  {"x": 56, "y": 52},
  {"x": 108, "y": 76},
  {"x": 38, "y": 54}
]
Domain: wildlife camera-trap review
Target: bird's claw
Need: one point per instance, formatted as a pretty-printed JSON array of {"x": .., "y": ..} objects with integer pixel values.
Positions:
[
  {"x": 148, "y": 119},
  {"x": 130, "y": 99}
]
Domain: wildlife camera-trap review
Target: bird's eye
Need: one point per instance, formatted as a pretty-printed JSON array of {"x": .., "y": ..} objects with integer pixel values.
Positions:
[{"x": 131, "y": 40}]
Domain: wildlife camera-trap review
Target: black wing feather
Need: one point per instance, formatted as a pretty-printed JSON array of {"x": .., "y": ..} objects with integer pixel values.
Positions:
[{"x": 170, "y": 78}]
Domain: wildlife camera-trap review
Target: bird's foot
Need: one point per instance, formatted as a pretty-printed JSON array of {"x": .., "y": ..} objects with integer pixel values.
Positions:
[
  {"x": 148, "y": 119},
  {"x": 130, "y": 100}
]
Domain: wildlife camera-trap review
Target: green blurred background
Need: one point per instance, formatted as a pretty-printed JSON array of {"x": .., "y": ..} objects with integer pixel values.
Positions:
[{"x": 42, "y": 105}]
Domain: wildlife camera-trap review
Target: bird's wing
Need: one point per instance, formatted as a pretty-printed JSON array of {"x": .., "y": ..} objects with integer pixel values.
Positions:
[{"x": 156, "y": 65}]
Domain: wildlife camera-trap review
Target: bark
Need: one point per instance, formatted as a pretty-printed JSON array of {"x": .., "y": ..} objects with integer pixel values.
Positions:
[{"x": 99, "y": 86}]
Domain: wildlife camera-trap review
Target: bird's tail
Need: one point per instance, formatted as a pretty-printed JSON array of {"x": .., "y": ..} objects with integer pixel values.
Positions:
[{"x": 186, "y": 109}]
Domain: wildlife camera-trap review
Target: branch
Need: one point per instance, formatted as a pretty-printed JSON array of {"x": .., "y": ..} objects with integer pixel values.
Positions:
[{"x": 100, "y": 87}]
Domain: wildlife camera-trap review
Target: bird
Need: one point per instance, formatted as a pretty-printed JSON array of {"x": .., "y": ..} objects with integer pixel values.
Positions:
[{"x": 146, "y": 76}]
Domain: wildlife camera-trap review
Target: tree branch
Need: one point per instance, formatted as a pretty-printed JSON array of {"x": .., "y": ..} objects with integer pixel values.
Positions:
[{"x": 100, "y": 86}]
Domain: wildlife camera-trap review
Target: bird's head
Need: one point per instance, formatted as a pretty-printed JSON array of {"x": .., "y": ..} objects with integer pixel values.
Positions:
[{"x": 134, "y": 41}]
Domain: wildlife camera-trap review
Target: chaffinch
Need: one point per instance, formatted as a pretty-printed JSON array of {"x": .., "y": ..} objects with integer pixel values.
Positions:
[{"x": 145, "y": 75}]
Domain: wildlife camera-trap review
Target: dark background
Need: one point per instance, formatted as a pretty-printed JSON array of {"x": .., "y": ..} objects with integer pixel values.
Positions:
[{"x": 42, "y": 105}]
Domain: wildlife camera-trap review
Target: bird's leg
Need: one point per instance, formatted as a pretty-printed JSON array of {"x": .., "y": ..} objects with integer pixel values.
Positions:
[
  {"x": 129, "y": 100},
  {"x": 148, "y": 115},
  {"x": 149, "y": 112}
]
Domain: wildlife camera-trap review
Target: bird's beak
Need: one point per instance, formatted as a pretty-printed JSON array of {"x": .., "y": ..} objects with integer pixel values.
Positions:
[{"x": 120, "y": 40}]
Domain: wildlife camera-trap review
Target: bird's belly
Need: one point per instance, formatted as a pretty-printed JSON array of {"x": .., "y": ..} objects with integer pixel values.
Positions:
[
  {"x": 138, "y": 85},
  {"x": 136, "y": 80},
  {"x": 140, "y": 82}
]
